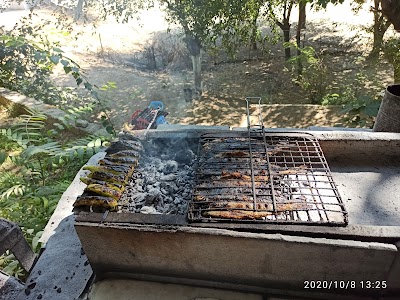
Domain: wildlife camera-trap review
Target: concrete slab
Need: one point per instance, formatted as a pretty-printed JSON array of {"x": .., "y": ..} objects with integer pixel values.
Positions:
[
  {"x": 370, "y": 190},
  {"x": 118, "y": 289},
  {"x": 225, "y": 256},
  {"x": 62, "y": 271},
  {"x": 10, "y": 287}
]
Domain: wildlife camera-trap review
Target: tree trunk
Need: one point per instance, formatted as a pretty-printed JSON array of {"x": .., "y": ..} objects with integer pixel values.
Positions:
[
  {"x": 194, "y": 46},
  {"x": 78, "y": 10},
  {"x": 196, "y": 62},
  {"x": 285, "y": 25},
  {"x": 396, "y": 68},
  {"x": 379, "y": 29},
  {"x": 253, "y": 41},
  {"x": 286, "y": 38},
  {"x": 300, "y": 25}
]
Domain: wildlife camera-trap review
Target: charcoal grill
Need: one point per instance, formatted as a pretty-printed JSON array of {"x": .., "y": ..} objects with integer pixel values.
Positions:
[
  {"x": 274, "y": 177},
  {"x": 266, "y": 178}
]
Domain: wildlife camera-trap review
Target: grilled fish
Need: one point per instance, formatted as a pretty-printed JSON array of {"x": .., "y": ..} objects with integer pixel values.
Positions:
[
  {"x": 115, "y": 169},
  {"x": 234, "y": 175},
  {"x": 125, "y": 153},
  {"x": 103, "y": 190},
  {"x": 108, "y": 177},
  {"x": 107, "y": 162},
  {"x": 123, "y": 160},
  {"x": 115, "y": 186},
  {"x": 280, "y": 207},
  {"x": 236, "y": 214},
  {"x": 106, "y": 202},
  {"x": 124, "y": 145}
]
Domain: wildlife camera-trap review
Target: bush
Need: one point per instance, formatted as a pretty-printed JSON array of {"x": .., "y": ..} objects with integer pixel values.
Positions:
[{"x": 314, "y": 77}]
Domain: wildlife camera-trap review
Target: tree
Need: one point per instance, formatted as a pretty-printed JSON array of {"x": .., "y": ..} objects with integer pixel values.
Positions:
[
  {"x": 391, "y": 51},
  {"x": 286, "y": 6},
  {"x": 300, "y": 25},
  {"x": 198, "y": 19}
]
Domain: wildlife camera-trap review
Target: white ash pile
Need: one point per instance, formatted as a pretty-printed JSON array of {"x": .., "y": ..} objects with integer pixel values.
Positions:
[{"x": 163, "y": 181}]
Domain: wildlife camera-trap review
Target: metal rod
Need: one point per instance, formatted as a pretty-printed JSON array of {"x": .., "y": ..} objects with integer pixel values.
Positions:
[{"x": 253, "y": 186}]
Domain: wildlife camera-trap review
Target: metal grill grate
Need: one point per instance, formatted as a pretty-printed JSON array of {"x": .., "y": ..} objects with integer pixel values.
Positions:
[{"x": 279, "y": 178}]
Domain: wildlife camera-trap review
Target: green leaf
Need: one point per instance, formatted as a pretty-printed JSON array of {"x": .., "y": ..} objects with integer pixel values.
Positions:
[
  {"x": 3, "y": 157},
  {"x": 67, "y": 69},
  {"x": 55, "y": 49},
  {"x": 97, "y": 143},
  {"x": 54, "y": 59},
  {"x": 88, "y": 86}
]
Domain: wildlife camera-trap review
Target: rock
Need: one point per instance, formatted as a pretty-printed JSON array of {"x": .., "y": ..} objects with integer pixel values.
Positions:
[
  {"x": 81, "y": 123},
  {"x": 148, "y": 210}
]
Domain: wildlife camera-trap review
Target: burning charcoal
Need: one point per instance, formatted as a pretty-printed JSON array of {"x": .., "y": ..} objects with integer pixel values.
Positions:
[
  {"x": 172, "y": 188},
  {"x": 184, "y": 157},
  {"x": 150, "y": 180},
  {"x": 169, "y": 177},
  {"x": 178, "y": 200},
  {"x": 139, "y": 197},
  {"x": 170, "y": 166}
]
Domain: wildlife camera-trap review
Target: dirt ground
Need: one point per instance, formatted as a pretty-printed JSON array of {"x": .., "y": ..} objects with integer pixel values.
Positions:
[{"x": 114, "y": 53}]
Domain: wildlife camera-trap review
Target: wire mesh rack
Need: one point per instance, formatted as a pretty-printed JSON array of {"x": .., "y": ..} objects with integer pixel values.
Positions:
[{"x": 264, "y": 177}]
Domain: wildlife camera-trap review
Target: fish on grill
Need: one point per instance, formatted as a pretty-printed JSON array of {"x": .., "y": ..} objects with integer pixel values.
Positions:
[
  {"x": 115, "y": 186},
  {"x": 108, "y": 177},
  {"x": 237, "y": 214},
  {"x": 122, "y": 145},
  {"x": 103, "y": 190},
  {"x": 125, "y": 153},
  {"x": 106, "y": 202},
  {"x": 214, "y": 198},
  {"x": 260, "y": 206},
  {"x": 114, "y": 169},
  {"x": 123, "y": 160},
  {"x": 107, "y": 162},
  {"x": 233, "y": 154},
  {"x": 234, "y": 175}
]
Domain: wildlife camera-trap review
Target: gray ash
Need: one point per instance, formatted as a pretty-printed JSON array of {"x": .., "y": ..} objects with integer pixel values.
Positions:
[{"x": 164, "y": 179}]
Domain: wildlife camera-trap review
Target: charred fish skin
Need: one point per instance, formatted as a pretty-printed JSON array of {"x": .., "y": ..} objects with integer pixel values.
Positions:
[
  {"x": 237, "y": 214},
  {"x": 123, "y": 160},
  {"x": 114, "y": 169},
  {"x": 108, "y": 177},
  {"x": 124, "y": 145},
  {"x": 115, "y": 186},
  {"x": 103, "y": 190},
  {"x": 106, "y": 162},
  {"x": 106, "y": 202},
  {"x": 125, "y": 153}
]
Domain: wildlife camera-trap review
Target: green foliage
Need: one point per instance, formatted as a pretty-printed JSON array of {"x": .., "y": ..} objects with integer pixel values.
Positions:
[
  {"x": 362, "y": 112},
  {"x": 27, "y": 60},
  {"x": 314, "y": 79},
  {"x": 391, "y": 50},
  {"x": 38, "y": 176}
]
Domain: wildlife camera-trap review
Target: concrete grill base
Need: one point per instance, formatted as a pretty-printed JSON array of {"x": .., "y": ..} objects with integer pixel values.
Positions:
[
  {"x": 249, "y": 260},
  {"x": 270, "y": 257}
]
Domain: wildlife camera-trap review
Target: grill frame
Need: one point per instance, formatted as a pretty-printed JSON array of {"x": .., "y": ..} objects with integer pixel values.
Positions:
[{"x": 257, "y": 140}]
